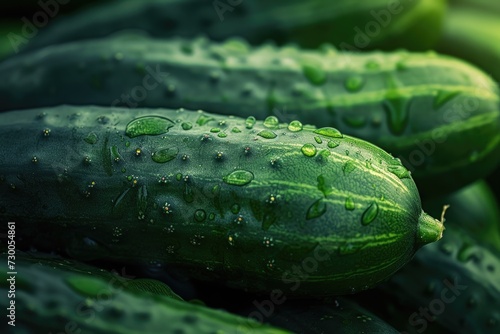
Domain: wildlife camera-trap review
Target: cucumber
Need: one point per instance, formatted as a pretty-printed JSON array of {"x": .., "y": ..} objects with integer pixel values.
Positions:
[
  {"x": 473, "y": 34},
  {"x": 53, "y": 298},
  {"x": 473, "y": 208},
  {"x": 341, "y": 316},
  {"x": 129, "y": 284},
  {"x": 439, "y": 115},
  {"x": 454, "y": 282},
  {"x": 360, "y": 25},
  {"x": 486, "y": 5},
  {"x": 259, "y": 205}
]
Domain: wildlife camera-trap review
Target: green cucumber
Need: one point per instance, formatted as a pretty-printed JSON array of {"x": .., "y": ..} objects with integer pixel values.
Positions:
[
  {"x": 454, "y": 282},
  {"x": 486, "y": 5},
  {"x": 473, "y": 208},
  {"x": 474, "y": 35},
  {"x": 259, "y": 205},
  {"x": 360, "y": 25},
  {"x": 439, "y": 115},
  {"x": 51, "y": 297},
  {"x": 341, "y": 316},
  {"x": 129, "y": 284}
]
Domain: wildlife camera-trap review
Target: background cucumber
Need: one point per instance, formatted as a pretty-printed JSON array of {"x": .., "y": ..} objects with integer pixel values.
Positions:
[
  {"x": 473, "y": 208},
  {"x": 58, "y": 298},
  {"x": 357, "y": 25},
  {"x": 474, "y": 35},
  {"x": 254, "y": 204},
  {"x": 454, "y": 282},
  {"x": 439, "y": 115},
  {"x": 339, "y": 316}
]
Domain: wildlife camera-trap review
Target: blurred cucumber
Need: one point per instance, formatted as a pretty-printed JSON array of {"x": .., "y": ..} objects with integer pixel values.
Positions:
[
  {"x": 362, "y": 24},
  {"x": 473, "y": 208},
  {"x": 341, "y": 316},
  {"x": 54, "y": 295},
  {"x": 473, "y": 34},
  {"x": 454, "y": 282}
]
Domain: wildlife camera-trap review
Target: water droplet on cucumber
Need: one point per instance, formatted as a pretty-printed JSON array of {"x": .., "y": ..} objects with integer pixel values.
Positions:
[
  {"x": 400, "y": 171},
  {"x": 187, "y": 125},
  {"x": 238, "y": 177},
  {"x": 165, "y": 154},
  {"x": 267, "y": 134},
  {"x": 271, "y": 122},
  {"x": 200, "y": 215},
  {"x": 349, "y": 203},
  {"x": 317, "y": 209},
  {"x": 354, "y": 83},
  {"x": 314, "y": 72},
  {"x": 309, "y": 150},
  {"x": 349, "y": 166},
  {"x": 250, "y": 122},
  {"x": 295, "y": 126},
  {"x": 370, "y": 214},
  {"x": 329, "y": 132},
  {"x": 235, "y": 208},
  {"x": 148, "y": 125}
]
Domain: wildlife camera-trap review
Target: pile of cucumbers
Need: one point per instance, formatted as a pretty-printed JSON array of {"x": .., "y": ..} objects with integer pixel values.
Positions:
[{"x": 237, "y": 166}]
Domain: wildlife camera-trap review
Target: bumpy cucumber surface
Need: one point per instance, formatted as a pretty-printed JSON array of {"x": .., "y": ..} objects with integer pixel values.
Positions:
[
  {"x": 455, "y": 283},
  {"x": 474, "y": 35},
  {"x": 474, "y": 208},
  {"x": 260, "y": 205},
  {"x": 341, "y": 316},
  {"x": 359, "y": 25},
  {"x": 50, "y": 297},
  {"x": 439, "y": 115}
]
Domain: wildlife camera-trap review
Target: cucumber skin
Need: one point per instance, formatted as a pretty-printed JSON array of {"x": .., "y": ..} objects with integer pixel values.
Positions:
[
  {"x": 48, "y": 300},
  {"x": 96, "y": 211},
  {"x": 476, "y": 308},
  {"x": 308, "y": 23},
  {"x": 445, "y": 149},
  {"x": 341, "y": 316},
  {"x": 474, "y": 209}
]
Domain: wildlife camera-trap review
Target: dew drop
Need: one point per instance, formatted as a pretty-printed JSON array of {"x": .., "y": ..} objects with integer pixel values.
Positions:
[
  {"x": 271, "y": 122},
  {"x": 314, "y": 72},
  {"x": 309, "y": 150},
  {"x": 235, "y": 208},
  {"x": 235, "y": 130},
  {"x": 250, "y": 122},
  {"x": 317, "y": 209},
  {"x": 148, "y": 125},
  {"x": 200, "y": 215},
  {"x": 267, "y": 134},
  {"x": 222, "y": 135},
  {"x": 318, "y": 140},
  {"x": 349, "y": 203},
  {"x": 165, "y": 154},
  {"x": 215, "y": 130},
  {"x": 329, "y": 132},
  {"x": 348, "y": 167},
  {"x": 91, "y": 138},
  {"x": 187, "y": 125},
  {"x": 354, "y": 83},
  {"x": 295, "y": 126},
  {"x": 395, "y": 107},
  {"x": 443, "y": 97},
  {"x": 333, "y": 144},
  {"x": 354, "y": 121},
  {"x": 204, "y": 119},
  {"x": 399, "y": 170},
  {"x": 370, "y": 214},
  {"x": 238, "y": 177}
]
